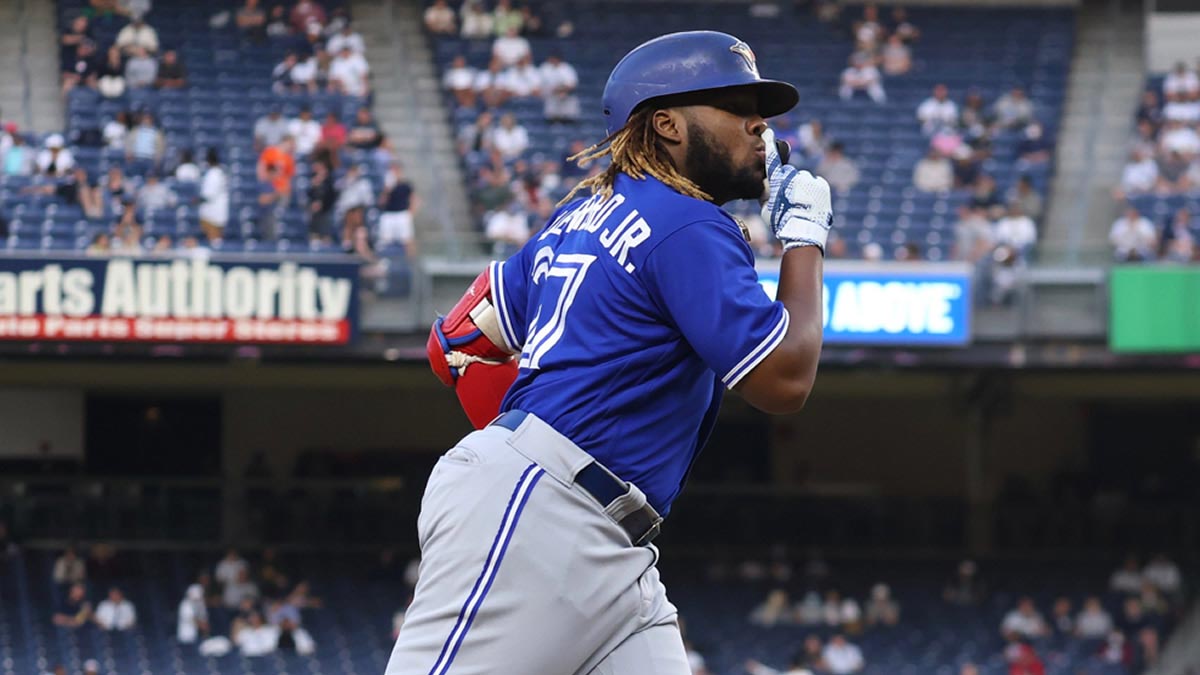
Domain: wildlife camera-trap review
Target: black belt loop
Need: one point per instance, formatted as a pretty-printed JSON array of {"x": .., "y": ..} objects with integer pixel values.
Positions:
[{"x": 642, "y": 525}]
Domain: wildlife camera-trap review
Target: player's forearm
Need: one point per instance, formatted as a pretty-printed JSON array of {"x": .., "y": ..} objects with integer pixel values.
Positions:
[{"x": 800, "y": 291}]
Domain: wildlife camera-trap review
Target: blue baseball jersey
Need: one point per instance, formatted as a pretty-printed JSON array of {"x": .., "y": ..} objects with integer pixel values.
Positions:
[{"x": 632, "y": 315}]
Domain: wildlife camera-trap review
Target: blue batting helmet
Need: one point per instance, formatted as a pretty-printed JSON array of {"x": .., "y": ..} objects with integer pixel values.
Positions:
[{"x": 679, "y": 63}]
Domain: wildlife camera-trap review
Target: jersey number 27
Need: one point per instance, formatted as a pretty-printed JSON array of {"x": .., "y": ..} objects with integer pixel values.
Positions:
[{"x": 559, "y": 278}]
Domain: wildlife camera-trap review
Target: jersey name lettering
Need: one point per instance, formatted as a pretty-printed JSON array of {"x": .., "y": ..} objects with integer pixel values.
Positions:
[{"x": 593, "y": 214}]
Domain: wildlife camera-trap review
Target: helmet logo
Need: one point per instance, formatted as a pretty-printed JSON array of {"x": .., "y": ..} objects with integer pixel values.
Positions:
[{"x": 743, "y": 50}]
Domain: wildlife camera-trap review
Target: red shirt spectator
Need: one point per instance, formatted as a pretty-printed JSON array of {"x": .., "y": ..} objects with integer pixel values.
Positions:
[
  {"x": 304, "y": 13},
  {"x": 1022, "y": 660},
  {"x": 333, "y": 132}
]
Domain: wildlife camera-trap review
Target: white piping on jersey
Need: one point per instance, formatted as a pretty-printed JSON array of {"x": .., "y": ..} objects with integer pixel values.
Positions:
[
  {"x": 759, "y": 353},
  {"x": 506, "y": 330}
]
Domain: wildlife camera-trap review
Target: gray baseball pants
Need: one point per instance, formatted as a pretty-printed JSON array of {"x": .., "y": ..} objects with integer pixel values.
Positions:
[{"x": 525, "y": 573}]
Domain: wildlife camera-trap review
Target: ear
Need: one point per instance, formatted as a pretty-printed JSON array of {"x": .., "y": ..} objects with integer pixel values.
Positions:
[{"x": 670, "y": 124}]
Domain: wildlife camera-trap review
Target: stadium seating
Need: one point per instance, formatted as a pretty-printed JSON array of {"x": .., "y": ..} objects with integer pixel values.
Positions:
[
  {"x": 1158, "y": 207},
  {"x": 989, "y": 50}
]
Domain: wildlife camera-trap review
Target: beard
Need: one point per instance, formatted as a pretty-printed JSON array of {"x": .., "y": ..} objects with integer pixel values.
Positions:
[{"x": 715, "y": 173}]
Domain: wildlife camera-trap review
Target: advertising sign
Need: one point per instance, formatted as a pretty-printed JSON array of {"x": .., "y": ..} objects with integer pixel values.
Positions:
[{"x": 1155, "y": 309}]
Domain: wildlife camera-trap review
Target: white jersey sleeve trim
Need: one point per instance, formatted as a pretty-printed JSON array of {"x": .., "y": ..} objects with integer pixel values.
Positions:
[
  {"x": 760, "y": 352},
  {"x": 501, "y": 304}
]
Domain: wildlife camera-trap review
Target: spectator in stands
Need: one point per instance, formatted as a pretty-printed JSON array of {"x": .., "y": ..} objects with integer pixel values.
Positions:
[
  {"x": 78, "y": 32},
  {"x": 440, "y": 19},
  {"x": 1174, "y": 173},
  {"x": 1092, "y": 622},
  {"x": 510, "y": 139},
  {"x": 1013, "y": 110},
  {"x": 882, "y": 608},
  {"x": 364, "y": 133},
  {"x": 115, "y": 130},
  {"x": 476, "y": 21},
  {"x": 83, "y": 70},
  {"x": 965, "y": 588},
  {"x": 459, "y": 80},
  {"x": 397, "y": 205},
  {"x": 1034, "y": 148},
  {"x": 241, "y": 588},
  {"x": 776, "y": 609},
  {"x": 69, "y": 569},
  {"x": 73, "y": 189},
  {"x": 1149, "y": 109},
  {"x": 230, "y": 567},
  {"x": 333, "y": 139},
  {"x": 490, "y": 85},
  {"x": 256, "y": 638},
  {"x": 321, "y": 199},
  {"x": 1140, "y": 175},
  {"x": 155, "y": 195},
  {"x": 1179, "y": 245},
  {"x": 973, "y": 236},
  {"x": 110, "y": 74},
  {"x": 171, "y": 73},
  {"x": 1179, "y": 137},
  {"x": 115, "y": 612},
  {"x": 271, "y": 129},
  {"x": 1161, "y": 571},
  {"x": 1181, "y": 80},
  {"x": 1021, "y": 657},
  {"x": 1026, "y": 195},
  {"x": 278, "y": 29},
  {"x": 896, "y": 57},
  {"x": 522, "y": 80},
  {"x": 54, "y": 159},
  {"x": 510, "y": 49},
  {"x": 127, "y": 236},
  {"x": 346, "y": 37},
  {"x": 282, "y": 81},
  {"x": 841, "y": 172},
  {"x": 137, "y": 35},
  {"x": 974, "y": 120},
  {"x": 1128, "y": 578},
  {"x": 74, "y": 610},
  {"x": 355, "y": 196},
  {"x": 1181, "y": 108},
  {"x": 938, "y": 113},
  {"x": 933, "y": 173},
  {"x": 141, "y": 70},
  {"x": 862, "y": 75},
  {"x": 506, "y": 19},
  {"x": 902, "y": 27},
  {"x": 559, "y": 81},
  {"x": 186, "y": 170},
  {"x": 214, "y": 214},
  {"x": 306, "y": 132},
  {"x": 251, "y": 22},
  {"x": 144, "y": 146},
  {"x": 19, "y": 158},
  {"x": 348, "y": 73},
  {"x": 192, "y": 623},
  {"x": 842, "y": 657},
  {"x": 1062, "y": 623},
  {"x": 1016, "y": 230},
  {"x": 507, "y": 228},
  {"x": 306, "y": 13},
  {"x": 869, "y": 32}
]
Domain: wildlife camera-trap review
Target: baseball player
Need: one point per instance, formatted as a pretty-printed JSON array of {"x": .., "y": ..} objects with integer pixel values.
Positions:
[{"x": 623, "y": 321}]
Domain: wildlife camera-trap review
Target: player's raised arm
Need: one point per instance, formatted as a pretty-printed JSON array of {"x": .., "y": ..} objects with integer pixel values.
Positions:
[{"x": 799, "y": 210}]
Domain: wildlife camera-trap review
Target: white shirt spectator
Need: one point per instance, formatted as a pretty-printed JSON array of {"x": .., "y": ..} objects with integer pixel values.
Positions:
[
  {"x": 842, "y": 659},
  {"x": 307, "y": 133},
  {"x": 510, "y": 141},
  {"x": 228, "y": 570},
  {"x": 214, "y": 209},
  {"x": 1183, "y": 140},
  {"x": 510, "y": 49},
  {"x": 192, "y": 613},
  {"x": 1184, "y": 82},
  {"x": 439, "y": 18},
  {"x": 65, "y": 161},
  {"x": 559, "y": 75},
  {"x": 187, "y": 172},
  {"x": 457, "y": 79},
  {"x": 134, "y": 35},
  {"x": 304, "y": 71},
  {"x": 521, "y": 81},
  {"x": 862, "y": 78},
  {"x": 1017, "y": 231},
  {"x": 1139, "y": 176},
  {"x": 505, "y": 225},
  {"x": 933, "y": 174},
  {"x": 258, "y": 641},
  {"x": 1182, "y": 111},
  {"x": 116, "y": 615},
  {"x": 350, "y": 71},
  {"x": 352, "y": 40},
  {"x": 851, "y": 612},
  {"x": 935, "y": 115},
  {"x": 1028, "y": 625},
  {"x": 237, "y": 591},
  {"x": 476, "y": 23},
  {"x": 1164, "y": 574},
  {"x": 1093, "y": 624},
  {"x": 1126, "y": 580},
  {"x": 1132, "y": 235},
  {"x": 484, "y": 79},
  {"x": 114, "y": 134}
]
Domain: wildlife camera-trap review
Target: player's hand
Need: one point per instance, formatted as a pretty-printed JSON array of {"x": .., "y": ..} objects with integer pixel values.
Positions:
[{"x": 798, "y": 205}]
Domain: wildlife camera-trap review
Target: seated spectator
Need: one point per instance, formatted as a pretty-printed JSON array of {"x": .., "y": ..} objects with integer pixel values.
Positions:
[
  {"x": 110, "y": 75},
  {"x": 100, "y": 246},
  {"x": 230, "y": 567},
  {"x": 241, "y": 588},
  {"x": 1092, "y": 622},
  {"x": 77, "y": 33},
  {"x": 510, "y": 49},
  {"x": 1034, "y": 149},
  {"x": 271, "y": 129},
  {"x": 83, "y": 70},
  {"x": 192, "y": 622},
  {"x": 355, "y": 196},
  {"x": 278, "y": 28},
  {"x": 306, "y": 132},
  {"x": 144, "y": 146},
  {"x": 186, "y": 171},
  {"x": 938, "y": 112},
  {"x": 869, "y": 32},
  {"x": 127, "y": 236},
  {"x": 1133, "y": 239},
  {"x": 505, "y": 18},
  {"x": 522, "y": 80},
  {"x": 1140, "y": 175},
  {"x": 974, "y": 238},
  {"x": 1026, "y": 195},
  {"x": 933, "y": 173},
  {"x": 984, "y": 193},
  {"x": 440, "y": 20},
  {"x": 510, "y": 138},
  {"x": 882, "y": 608},
  {"x": 171, "y": 73},
  {"x": 137, "y": 35},
  {"x": 559, "y": 81},
  {"x": 507, "y": 228},
  {"x": 155, "y": 195},
  {"x": 74, "y": 610},
  {"x": 141, "y": 70},
  {"x": 1149, "y": 109},
  {"x": 1181, "y": 108},
  {"x": 896, "y": 57},
  {"x": 459, "y": 80},
  {"x": 1022, "y": 659},
  {"x": 902, "y": 27},
  {"x": 1025, "y": 621},
  {"x": 251, "y": 22},
  {"x": 364, "y": 133},
  {"x": 1016, "y": 230},
  {"x": 862, "y": 75},
  {"x": 282, "y": 81},
  {"x": 1116, "y": 650},
  {"x": 1013, "y": 110},
  {"x": 321, "y": 199},
  {"x": 1181, "y": 138},
  {"x": 840, "y": 171},
  {"x": 214, "y": 214},
  {"x": 974, "y": 120},
  {"x": 476, "y": 21},
  {"x": 1161, "y": 571},
  {"x": 842, "y": 657},
  {"x": 1061, "y": 621},
  {"x": 1174, "y": 173},
  {"x": 776, "y": 609},
  {"x": 293, "y": 636},
  {"x": 490, "y": 85},
  {"x": 346, "y": 37},
  {"x": 305, "y": 15},
  {"x": 115, "y": 131},
  {"x": 348, "y": 73},
  {"x": 333, "y": 139},
  {"x": 18, "y": 158},
  {"x": 397, "y": 205},
  {"x": 1179, "y": 245},
  {"x": 1181, "y": 81},
  {"x": 115, "y": 612},
  {"x": 69, "y": 569},
  {"x": 256, "y": 638},
  {"x": 54, "y": 159}
]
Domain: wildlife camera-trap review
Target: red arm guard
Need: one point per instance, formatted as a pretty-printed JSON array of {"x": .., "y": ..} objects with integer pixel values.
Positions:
[{"x": 468, "y": 353}]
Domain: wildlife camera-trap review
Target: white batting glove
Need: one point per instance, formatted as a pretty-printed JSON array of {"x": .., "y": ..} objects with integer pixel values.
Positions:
[{"x": 798, "y": 205}]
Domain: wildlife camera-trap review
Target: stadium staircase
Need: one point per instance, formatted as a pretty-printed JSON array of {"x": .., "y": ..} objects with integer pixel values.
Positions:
[
  {"x": 409, "y": 108},
  {"x": 1107, "y": 73},
  {"x": 29, "y": 82}
]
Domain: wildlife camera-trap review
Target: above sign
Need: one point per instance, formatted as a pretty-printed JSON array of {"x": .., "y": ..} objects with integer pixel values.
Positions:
[
  {"x": 180, "y": 300},
  {"x": 893, "y": 304}
]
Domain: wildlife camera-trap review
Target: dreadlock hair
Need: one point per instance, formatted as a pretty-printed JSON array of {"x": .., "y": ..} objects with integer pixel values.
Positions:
[{"x": 634, "y": 149}]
